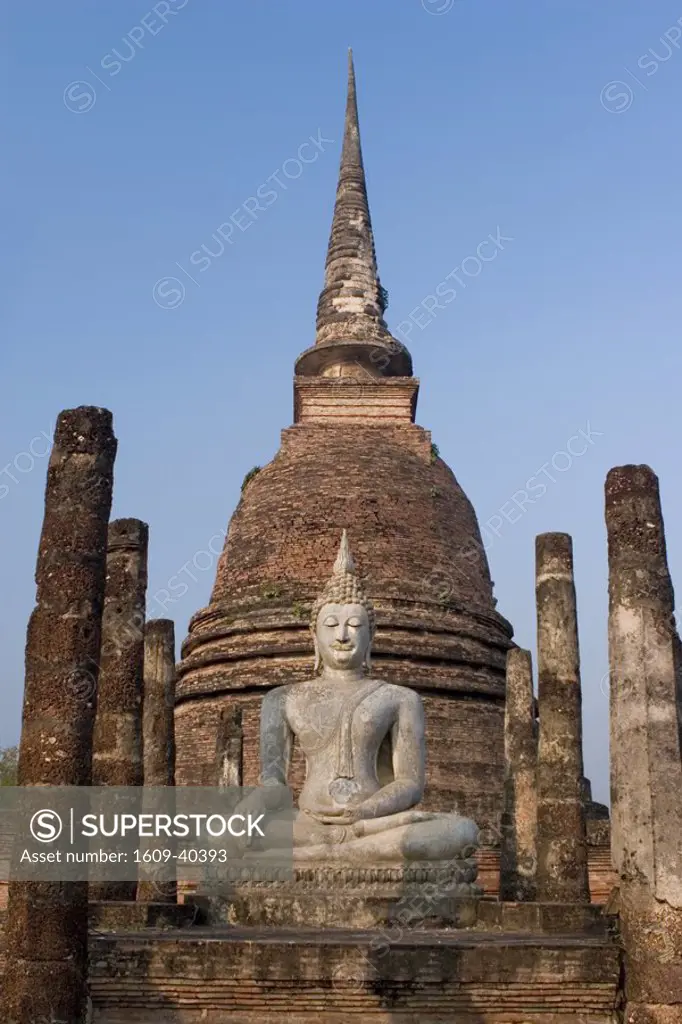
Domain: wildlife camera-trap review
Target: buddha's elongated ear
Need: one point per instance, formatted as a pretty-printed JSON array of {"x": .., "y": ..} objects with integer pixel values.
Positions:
[
  {"x": 368, "y": 656},
  {"x": 317, "y": 655}
]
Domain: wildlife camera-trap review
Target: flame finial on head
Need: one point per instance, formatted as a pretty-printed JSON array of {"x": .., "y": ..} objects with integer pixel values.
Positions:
[{"x": 344, "y": 560}]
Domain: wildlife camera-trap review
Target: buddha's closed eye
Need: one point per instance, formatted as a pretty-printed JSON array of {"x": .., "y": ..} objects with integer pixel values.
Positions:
[{"x": 331, "y": 620}]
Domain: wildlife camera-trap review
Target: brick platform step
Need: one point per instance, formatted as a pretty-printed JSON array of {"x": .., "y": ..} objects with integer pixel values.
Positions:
[
  {"x": 602, "y": 876},
  {"x": 252, "y": 975}
]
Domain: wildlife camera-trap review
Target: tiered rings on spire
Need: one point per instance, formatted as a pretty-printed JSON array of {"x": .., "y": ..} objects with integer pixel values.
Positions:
[{"x": 350, "y": 313}]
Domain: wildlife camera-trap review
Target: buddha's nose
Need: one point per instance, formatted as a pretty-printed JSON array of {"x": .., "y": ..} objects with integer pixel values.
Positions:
[{"x": 342, "y": 632}]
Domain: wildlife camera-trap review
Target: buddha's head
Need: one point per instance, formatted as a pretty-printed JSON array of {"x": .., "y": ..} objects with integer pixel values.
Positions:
[{"x": 342, "y": 622}]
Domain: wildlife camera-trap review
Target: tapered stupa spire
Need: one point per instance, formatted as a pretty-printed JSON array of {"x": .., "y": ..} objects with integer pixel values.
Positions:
[{"x": 350, "y": 311}]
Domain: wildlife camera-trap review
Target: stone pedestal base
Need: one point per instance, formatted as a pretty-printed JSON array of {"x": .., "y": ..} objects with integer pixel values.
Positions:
[
  {"x": 430, "y": 895},
  {"x": 132, "y": 916}
]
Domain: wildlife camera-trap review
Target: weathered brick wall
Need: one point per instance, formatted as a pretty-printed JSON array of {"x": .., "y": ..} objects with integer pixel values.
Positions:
[
  {"x": 602, "y": 876},
  {"x": 405, "y": 513},
  {"x": 298, "y": 978}
]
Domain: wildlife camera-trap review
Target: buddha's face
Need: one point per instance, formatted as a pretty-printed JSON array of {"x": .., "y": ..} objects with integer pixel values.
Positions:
[{"x": 343, "y": 635}]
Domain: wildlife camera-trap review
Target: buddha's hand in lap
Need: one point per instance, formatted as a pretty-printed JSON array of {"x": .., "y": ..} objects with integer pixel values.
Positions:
[
  {"x": 370, "y": 825},
  {"x": 365, "y": 822},
  {"x": 344, "y": 816}
]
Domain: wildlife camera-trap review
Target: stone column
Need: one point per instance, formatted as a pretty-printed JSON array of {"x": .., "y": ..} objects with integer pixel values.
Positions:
[
  {"x": 518, "y": 855},
  {"x": 45, "y": 974},
  {"x": 646, "y": 760},
  {"x": 117, "y": 743},
  {"x": 562, "y": 873},
  {"x": 158, "y": 729},
  {"x": 229, "y": 748},
  {"x": 159, "y": 703}
]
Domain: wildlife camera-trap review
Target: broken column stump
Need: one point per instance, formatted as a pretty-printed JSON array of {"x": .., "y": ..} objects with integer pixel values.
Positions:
[
  {"x": 159, "y": 703},
  {"x": 562, "y": 872},
  {"x": 158, "y": 730},
  {"x": 518, "y": 854},
  {"x": 646, "y": 759},
  {"x": 117, "y": 743},
  {"x": 45, "y": 975}
]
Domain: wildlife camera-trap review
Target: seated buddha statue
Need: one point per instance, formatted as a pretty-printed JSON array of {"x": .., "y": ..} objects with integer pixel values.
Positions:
[{"x": 363, "y": 741}]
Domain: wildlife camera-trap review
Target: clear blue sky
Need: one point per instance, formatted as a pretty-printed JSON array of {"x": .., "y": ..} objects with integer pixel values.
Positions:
[{"x": 486, "y": 115}]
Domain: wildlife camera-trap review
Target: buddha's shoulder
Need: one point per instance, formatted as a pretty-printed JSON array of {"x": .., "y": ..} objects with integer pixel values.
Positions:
[
  {"x": 399, "y": 694},
  {"x": 294, "y": 692},
  {"x": 277, "y": 696}
]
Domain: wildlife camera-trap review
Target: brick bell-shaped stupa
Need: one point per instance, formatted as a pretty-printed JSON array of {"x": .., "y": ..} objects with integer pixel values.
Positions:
[{"x": 354, "y": 459}]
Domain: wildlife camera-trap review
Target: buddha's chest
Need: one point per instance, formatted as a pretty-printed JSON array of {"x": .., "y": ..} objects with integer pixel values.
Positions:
[{"x": 341, "y": 724}]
